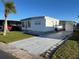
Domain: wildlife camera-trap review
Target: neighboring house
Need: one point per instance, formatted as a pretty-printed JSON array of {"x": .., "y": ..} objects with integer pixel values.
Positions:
[
  {"x": 68, "y": 25},
  {"x": 42, "y": 24},
  {"x": 12, "y": 25},
  {"x": 39, "y": 24}
]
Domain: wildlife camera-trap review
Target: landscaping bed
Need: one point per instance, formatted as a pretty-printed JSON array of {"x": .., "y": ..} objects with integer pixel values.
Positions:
[
  {"x": 13, "y": 36},
  {"x": 70, "y": 49}
]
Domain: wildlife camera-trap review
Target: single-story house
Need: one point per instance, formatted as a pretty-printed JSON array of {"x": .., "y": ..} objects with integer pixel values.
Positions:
[
  {"x": 42, "y": 24},
  {"x": 39, "y": 24}
]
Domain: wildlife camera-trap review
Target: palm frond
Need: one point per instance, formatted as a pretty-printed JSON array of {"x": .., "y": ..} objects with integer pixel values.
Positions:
[{"x": 9, "y": 8}]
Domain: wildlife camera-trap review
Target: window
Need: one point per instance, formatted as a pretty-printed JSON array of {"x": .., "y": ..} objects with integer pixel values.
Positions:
[
  {"x": 29, "y": 24},
  {"x": 37, "y": 23}
]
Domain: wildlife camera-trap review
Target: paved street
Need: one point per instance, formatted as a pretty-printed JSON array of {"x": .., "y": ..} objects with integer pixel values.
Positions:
[{"x": 37, "y": 45}]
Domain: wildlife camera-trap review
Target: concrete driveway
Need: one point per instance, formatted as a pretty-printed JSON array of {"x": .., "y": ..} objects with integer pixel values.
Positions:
[{"x": 39, "y": 44}]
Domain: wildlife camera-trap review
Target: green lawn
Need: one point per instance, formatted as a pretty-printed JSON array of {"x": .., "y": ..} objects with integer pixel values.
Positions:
[
  {"x": 13, "y": 36},
  {"x": 70, "y": 49}
]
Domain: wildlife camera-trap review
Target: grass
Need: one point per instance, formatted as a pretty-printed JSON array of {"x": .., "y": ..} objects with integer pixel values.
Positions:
[
  {"x": 13, "y": 36},
  {"x": 70, "y": 49}
]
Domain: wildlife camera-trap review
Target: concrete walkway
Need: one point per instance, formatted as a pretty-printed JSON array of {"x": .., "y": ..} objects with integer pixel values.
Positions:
[{"x": 38, "y": 45}]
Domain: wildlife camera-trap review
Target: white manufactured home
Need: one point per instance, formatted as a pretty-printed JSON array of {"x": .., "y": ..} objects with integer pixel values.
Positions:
[
  {"x": 42, "y": 24},
  {"x": 39, "y": 24}
]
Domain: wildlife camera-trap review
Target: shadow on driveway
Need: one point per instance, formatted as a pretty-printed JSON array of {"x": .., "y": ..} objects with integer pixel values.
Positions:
[
  {"x": 4, "y": 55},
  {"x": 58, "y": 35}
]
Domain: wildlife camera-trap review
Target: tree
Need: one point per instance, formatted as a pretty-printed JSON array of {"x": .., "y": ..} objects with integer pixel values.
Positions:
[{"x": 9, "y": 8}]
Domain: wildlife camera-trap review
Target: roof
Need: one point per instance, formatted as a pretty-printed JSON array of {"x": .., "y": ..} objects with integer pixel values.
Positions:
[
  {"x": 67, "y": 21},
  {"x": 35, "y": 17},
  {"x": 30, "y": 18},
  {"x": 10, "y": 20}
]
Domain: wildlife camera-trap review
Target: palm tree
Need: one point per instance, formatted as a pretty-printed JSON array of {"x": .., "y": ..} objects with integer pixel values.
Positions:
[{"x": 9, "y": 8}]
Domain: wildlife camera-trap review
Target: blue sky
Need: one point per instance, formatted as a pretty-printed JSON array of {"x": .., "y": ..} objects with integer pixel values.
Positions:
[{"x": 60, "y": 9}]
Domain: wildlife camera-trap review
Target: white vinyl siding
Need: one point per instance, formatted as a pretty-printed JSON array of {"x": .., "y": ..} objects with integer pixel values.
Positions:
[{"x": 42, "y": 24}]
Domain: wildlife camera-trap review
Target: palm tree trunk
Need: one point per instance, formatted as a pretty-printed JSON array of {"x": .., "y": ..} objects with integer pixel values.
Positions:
[{"x": 5, "y": 27}]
